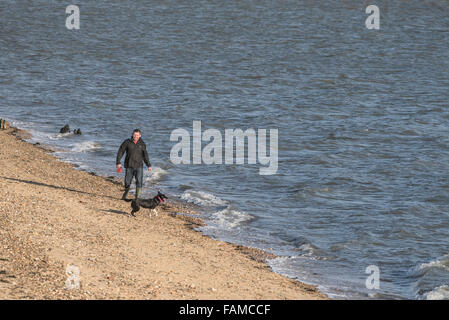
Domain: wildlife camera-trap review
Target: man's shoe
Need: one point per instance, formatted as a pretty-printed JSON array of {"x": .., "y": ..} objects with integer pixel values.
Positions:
[{"x": 125, "y": 194}]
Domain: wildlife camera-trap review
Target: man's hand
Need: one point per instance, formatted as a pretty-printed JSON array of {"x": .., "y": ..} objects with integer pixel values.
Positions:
[{"x": 149, "y": 169}]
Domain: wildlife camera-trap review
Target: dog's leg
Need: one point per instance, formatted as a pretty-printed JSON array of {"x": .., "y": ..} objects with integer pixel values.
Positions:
[{"x": 153, "y": 211}]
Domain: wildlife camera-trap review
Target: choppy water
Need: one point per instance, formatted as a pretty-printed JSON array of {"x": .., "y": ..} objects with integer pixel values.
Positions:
[{"x": 362, "y": 118}]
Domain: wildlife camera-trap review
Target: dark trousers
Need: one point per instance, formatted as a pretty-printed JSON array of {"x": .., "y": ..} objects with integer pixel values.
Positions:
[{"x": 134, "y": 173}]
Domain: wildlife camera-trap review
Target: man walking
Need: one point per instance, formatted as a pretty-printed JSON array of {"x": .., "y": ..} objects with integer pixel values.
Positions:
[{"x": 136, "y": 154}]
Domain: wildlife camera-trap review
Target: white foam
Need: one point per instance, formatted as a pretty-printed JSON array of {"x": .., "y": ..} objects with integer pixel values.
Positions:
[
  {"x": 230, "y": 219},
  {"x": 202, "y": 198},
  {"x": 59, "y": 135},
  {"x": 282, "y": 265},
  {"x": 442, "y": 263},
  {"x": 86, "y": 146},
  {"x": 308, "y": 249},
  {"x": 36, "y": 135},
  {"x": 280, "y": 261},
  {"x": 439, "y": 293},
  {"x": 155, "y": 175}
]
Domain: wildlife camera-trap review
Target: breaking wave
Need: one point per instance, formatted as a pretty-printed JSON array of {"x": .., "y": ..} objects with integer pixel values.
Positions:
[
  {"x": 202, "y": 198},
  {"x": 222, "y": 215},
  {"x": 155, "y": 175},
  {"x": 86, "y": 146},
  {"x": 442, "y": 263},
  {"x": 230, "y": 219},
  {"x": 439, "y": 293}
]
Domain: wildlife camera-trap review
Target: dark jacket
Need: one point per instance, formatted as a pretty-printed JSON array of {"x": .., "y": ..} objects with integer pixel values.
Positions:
[{"x": 136, "y": 154}]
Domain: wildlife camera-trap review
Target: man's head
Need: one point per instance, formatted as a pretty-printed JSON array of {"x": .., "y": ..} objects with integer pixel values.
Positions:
[{"x": 136, "y": 135}]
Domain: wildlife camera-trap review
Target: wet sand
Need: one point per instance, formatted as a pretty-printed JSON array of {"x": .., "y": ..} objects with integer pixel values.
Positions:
[{"x": 53, "y": 216}]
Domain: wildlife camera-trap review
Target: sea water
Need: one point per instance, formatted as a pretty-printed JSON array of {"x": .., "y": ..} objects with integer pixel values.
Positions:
[{"x": 362, "y": 116}]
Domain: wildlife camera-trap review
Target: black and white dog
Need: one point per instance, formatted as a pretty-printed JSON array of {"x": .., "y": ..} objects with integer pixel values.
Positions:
[{"x": 151, "y": 203}]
